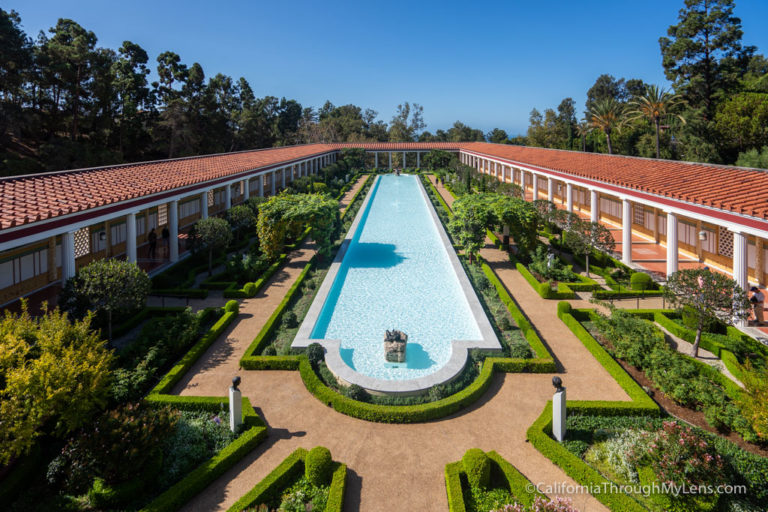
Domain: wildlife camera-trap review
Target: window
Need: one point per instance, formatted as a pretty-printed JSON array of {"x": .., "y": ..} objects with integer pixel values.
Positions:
[
  {"x": 610, "y": 207},
  {"x": 23, "y": 266},
  {"x": 140, "y": 225},
  {"x": 98, "y": 240},
  {"x": 686, "y": 233},
  {"x": 118, "y": 233},
  {"x": 152, "y": 218},
  {"x": 189, "y": 208}
]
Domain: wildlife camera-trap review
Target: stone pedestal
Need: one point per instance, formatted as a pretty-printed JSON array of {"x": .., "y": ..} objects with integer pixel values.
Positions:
[
  {"x": 558, "y": 415},
  {"x": 394, "y": 346},
  {"x": 235, "y": 409}
]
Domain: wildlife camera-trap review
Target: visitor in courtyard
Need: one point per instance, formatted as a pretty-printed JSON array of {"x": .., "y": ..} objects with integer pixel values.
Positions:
[
  {"x": 152, "y": 237},
  {"x": 757, "y": 300},
  {"x": 167, "y": 242}
]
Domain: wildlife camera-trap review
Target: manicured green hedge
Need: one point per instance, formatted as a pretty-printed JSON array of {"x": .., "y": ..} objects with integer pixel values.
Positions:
[
  {"x": 250, "y": 359},
  {"x": 564, "y": 292},
  {"x": 453, "y": 473},
  {"x": 539, "y": 435},
  {"x": 177, "y": 372},
  {"x": 523, "y": 323},
  {"x": 625, "y": 293},
  {"x": 232, "y": 291},
  {"x": 639, "y": 398},
  {"x": 192, "y": 293},
  {"x": 354, "y": 197},
  {"x": 288, "y": 471},
  {"x": 519, "y": 485}
]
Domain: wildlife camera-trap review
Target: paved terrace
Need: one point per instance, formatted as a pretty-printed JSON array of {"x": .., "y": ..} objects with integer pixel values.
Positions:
[{"x": 395, "y": 467}]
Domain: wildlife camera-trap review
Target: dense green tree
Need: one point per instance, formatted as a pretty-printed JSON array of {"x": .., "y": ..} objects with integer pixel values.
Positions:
[
  {"x": 214, "y": 233},
  {"x": 472, "y": 216},
  {"x": 742, "y": 120},
  {"x": 55, "y": 376},
  {"x": 754, "y": 158},
  {"x": 702, "y": 54},
  {"x": 520, "y": 217},
  {"x": 497, "y": 136},
  {"x": 407, "y": 123},
  {"x": 112, "y": 286},
  {"x": 437, "y": 159}
]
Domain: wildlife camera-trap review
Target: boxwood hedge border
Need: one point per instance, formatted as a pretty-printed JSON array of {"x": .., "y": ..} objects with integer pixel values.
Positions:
[
  {"x": 519, "y": 485},
  {"x": 288, "y": 471}
]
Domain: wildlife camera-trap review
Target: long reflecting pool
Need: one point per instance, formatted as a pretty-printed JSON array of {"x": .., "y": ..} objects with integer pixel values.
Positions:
[{"x": 396, "y": 272}]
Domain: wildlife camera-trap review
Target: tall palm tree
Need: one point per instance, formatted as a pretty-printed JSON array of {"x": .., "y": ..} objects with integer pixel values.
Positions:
[
  {"x": 654, "y": 104},
  {"x": 582, "y": 130},
  {"x": 606, "y": 114}
]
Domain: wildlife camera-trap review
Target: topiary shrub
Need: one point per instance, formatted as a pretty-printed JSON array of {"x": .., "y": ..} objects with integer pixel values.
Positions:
[
  {"x": 250, "y": 289},
  {"x": 318, "y": 466},
  {"x": 640, "y": 281},
  {"x": 315, "y": 353},
  {"x": 563, "y": 308},
  {"x": 232, "y": 306},
  {"x": 477, "y": 466}
]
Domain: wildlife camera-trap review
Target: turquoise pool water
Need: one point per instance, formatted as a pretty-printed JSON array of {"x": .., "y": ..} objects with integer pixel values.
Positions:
[{"x": 396, "y": 274}]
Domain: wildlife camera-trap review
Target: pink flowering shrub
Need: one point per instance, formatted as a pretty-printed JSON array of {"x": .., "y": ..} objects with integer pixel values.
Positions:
[
  {"x": 542, "y": 505},
  {"x": 678, "y": 456}
]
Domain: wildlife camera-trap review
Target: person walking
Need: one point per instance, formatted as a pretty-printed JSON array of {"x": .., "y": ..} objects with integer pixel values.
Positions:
[
  {"x": 152, "y": 237},
  {"x": 758, "y": 304}
]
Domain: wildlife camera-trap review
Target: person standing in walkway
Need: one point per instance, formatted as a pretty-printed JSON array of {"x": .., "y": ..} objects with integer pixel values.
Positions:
[
  {"x": 167, "y": 242},
  {"x": 758, "y": 303},
  {"x": 152, "y": 237}
]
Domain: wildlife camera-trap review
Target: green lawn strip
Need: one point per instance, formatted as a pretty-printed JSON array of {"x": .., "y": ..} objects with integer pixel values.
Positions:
[
  {"x": 519, "y": 486},
  {"x": 283, "y": 476}
]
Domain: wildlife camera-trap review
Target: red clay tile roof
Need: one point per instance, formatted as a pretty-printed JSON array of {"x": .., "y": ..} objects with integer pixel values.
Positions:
[
  {"x": 402, "y": 146},
  {"x": 28, "y": 199},
  {"x": 740, "y": 190},
  {"x": 24, "y": 200}
]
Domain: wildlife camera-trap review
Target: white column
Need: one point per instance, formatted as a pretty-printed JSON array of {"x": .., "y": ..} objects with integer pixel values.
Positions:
[
  {"x": 68, "y": 268},
  {"x": 559, "y": 414},
  {"x": 260, "y": 182},
  {"x": 671, "y": 243},
  {"x": 227, "y": 196},
  {"x": 235, "y": 408},
  {"x": 569, "y": 196},
  {"x": 375, "y": 159},
  {"x": 403, "y": 159},
  {"x": 390, "y": 159},
  {"x": 550, "y": 189},
  {"x": 594, "y": 208},
  {"x": 130, "y": 237},
  {"x": 173, "y": 227},
  {"x": 740, "y": 260},
  {"x": 418, "y": 159},
  {"x": 273, "y": 180},
  {"x": 204, "y": 205},
  {"x": 246, "y": 189},
  {"x": 283, "y": 185},
  {"x": 626, "y": 231},
  {"x": 535, "y": 186},
  {"x": 522, "y": 181}
]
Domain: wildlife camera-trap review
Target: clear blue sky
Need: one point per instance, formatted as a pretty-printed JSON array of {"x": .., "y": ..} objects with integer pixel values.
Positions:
[{"x": 484, "y": 63}]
